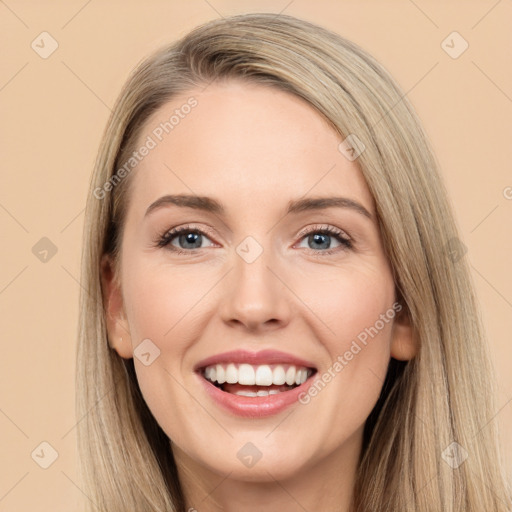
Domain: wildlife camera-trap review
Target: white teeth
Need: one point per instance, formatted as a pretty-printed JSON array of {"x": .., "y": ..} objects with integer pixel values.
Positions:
[
  {"x": 260, "y": 375},
  {"x": 231, "y": 374},
  {"x": 258, "y": 393},
  {"x": 278, "y": 376},
  {"x": 246, "y": 393},
  {"x": 246, "y": 375},
  {"x": 221, "y": 374},
  {"x": 263, "y": 376},
  {"x": 290, "y": 376}
]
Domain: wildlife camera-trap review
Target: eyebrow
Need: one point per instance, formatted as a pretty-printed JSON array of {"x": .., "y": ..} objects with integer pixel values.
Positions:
[{"x": 211, "y": 205}]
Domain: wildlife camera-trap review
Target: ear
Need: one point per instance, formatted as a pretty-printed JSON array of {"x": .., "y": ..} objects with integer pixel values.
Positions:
[
  {"x": 117, "y": 325},
  {"x": 404, "y": 343}
]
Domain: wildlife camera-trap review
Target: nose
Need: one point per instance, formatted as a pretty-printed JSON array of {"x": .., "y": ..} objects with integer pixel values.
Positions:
[{"x": 255, "y": 296}]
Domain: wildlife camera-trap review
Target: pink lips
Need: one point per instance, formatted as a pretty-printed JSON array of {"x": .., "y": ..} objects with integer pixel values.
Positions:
[{"x": 253, "y": 407}]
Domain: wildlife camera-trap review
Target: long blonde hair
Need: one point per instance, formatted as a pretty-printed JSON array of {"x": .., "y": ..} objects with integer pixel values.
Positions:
[{"x": 444, "y": 395}]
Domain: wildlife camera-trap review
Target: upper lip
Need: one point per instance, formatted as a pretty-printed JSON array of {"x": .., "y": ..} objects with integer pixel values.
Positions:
[{"x": 256, "y": 358}]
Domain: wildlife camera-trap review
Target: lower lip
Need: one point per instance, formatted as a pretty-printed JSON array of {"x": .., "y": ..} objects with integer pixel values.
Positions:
[{"x": 255, "y": 407}]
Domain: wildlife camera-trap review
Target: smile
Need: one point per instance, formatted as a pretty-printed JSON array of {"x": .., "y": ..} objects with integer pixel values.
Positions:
[
  {"x": 256, "y": 381},
  {"x": 255, "y": 384}
]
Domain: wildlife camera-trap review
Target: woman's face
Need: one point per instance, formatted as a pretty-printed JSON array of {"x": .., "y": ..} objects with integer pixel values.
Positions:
[{"x": 272, "y": 280}]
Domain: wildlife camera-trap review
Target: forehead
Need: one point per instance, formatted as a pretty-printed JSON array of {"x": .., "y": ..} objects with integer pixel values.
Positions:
[{"x": 247, "y": 144}]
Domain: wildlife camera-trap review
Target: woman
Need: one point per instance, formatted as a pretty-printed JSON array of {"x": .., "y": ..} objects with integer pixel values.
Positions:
[{"x": 277, "y": 312}]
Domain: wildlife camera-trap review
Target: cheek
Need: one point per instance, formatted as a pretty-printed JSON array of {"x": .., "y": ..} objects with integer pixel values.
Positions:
[
  {"x": 161, "y": 302},
  {"x": 347, "y": 301},
  {"x": 164, "y": 304},
  {"x": 360, "y": 304},
  {"x": 357, "y": 307}
]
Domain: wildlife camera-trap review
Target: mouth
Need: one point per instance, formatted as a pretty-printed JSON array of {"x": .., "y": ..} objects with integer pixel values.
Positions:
[
  {"x": 254, "y": 385},
  {"x": 256, "y": 381}
]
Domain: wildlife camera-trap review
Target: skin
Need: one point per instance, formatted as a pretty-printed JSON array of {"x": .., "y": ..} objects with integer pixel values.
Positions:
[{"x": 255, "y": 148}]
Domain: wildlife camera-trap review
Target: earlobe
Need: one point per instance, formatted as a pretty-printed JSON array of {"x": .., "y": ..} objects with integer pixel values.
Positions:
[
  {"x": 404, "y": 343},
  {"x": 115, "y": 318}
]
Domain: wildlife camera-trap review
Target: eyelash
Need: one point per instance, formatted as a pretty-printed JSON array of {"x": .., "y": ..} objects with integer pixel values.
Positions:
[{"x": 165, "y": 239}]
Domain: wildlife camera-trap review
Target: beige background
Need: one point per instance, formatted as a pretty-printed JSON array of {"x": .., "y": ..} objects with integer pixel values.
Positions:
[{"x": 53, "y": 114}]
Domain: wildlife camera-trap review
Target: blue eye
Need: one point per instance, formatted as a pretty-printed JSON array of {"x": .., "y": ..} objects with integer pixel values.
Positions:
[
  {"x": 322, "y": 238},
  {"x": 190, "y": 239}
]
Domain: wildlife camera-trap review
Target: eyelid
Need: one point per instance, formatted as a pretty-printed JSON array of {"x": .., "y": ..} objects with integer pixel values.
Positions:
[
  {"x": 324, "y": 227},
  {"x": 163, "y": 240},
  {"x": 345, "y": 240}
]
